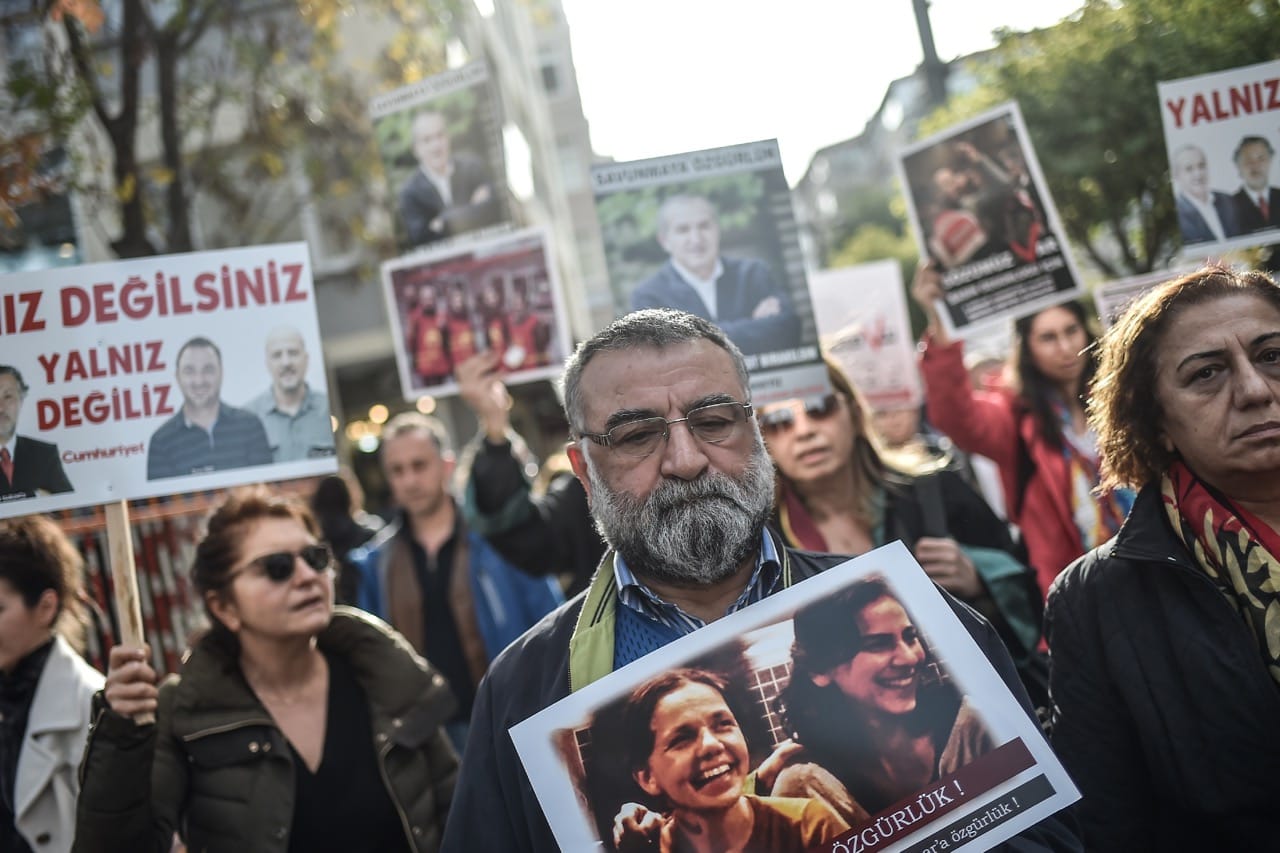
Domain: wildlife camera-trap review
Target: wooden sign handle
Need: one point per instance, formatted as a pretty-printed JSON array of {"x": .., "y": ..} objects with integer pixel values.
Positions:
[{"x": 124, "y": 581}]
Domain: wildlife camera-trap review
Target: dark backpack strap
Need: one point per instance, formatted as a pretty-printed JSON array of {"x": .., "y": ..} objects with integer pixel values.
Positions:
[{"x": 933, "y": 513}]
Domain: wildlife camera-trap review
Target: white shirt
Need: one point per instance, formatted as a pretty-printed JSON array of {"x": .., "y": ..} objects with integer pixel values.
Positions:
[
  {"x": 1209, "y": 214},
  {"x": 705, "y": 288}
]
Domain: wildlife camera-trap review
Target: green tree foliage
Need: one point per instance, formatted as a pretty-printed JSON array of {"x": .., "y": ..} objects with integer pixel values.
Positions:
[
  {"x": 240, "y": 107},
  {"x": 1087, "y": 89}
]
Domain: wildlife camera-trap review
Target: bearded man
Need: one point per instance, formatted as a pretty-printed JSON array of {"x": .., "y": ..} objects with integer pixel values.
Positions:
[{"x": 680, "y": 485}]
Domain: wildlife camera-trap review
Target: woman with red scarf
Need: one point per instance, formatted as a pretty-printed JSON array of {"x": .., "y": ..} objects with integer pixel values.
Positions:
[{"x": 1166, "y": 640}]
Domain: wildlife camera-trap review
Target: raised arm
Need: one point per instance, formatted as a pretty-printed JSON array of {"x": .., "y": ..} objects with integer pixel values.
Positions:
[{"x": 981, "y": 422}]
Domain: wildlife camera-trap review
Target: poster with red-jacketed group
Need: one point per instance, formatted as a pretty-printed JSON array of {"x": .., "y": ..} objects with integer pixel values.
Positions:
[
  {"x": 812, "y": 694},
  {"x": 982, "y": 213},
  {"x": 500, "y": 293},
  {"x": 1221, "y": 130},
  {"x": 160, "y": 375}
]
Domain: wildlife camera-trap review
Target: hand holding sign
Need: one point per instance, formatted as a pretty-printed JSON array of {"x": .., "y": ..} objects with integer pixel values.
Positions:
[
  {"x": 131, "y": 683},
  {"x": 926, "y": 289},
  {"x": 483, "y": 392}
]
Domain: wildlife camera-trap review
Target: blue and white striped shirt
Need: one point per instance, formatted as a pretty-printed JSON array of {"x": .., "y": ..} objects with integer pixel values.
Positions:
[{"x": 638, "y": 597}]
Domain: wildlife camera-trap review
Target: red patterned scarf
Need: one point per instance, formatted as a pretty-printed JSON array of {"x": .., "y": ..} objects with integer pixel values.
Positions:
[{"x": 1235, "y": 549}]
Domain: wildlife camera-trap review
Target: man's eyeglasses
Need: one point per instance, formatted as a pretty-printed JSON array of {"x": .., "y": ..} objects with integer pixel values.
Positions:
[
  {"x": 783, "y": 419},
  {"x": 713, "y": 424},
  {"x": 280, "y": 565}
]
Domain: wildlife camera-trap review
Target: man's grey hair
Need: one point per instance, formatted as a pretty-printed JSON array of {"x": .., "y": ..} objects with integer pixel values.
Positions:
[
  {"x": 1188, "y": 148},
  {"x": 664, "y": 209},
  {"x": 407, "y": 422},
  {"x": 652, "y": 328}
]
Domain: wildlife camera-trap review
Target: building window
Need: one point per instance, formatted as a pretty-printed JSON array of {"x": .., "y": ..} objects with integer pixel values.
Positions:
[{"x": 550, "y": 79}]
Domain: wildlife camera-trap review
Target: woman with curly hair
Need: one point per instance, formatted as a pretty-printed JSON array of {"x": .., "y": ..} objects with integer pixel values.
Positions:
[
  {"x": 1035, "y": 430},
  {"x": 1166, "y": 640}
]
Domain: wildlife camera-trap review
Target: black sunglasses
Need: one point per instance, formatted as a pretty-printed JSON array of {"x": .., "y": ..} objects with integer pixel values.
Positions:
[
  {"x": 783, "y": 419},
  {"x": 280, "y": 565}
]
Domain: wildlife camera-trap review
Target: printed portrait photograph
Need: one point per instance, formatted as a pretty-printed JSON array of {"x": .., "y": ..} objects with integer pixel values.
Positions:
[
  {"x": 816, "y": 724},
  {"x": 443, "y": 162},
  {"x": 975, "y": 196},
  {"x": 712, "y": 246}
]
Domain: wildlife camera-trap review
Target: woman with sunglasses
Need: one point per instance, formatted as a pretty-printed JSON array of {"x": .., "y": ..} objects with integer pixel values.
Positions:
[
  {"x": 1036, "y": 432},
  {"x": 837, "y": 493},
  {"x": 293, "y": 726}
]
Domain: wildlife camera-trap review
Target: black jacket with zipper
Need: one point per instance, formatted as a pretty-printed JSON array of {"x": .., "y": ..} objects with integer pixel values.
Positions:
[{"x": 1164, "y": 713}]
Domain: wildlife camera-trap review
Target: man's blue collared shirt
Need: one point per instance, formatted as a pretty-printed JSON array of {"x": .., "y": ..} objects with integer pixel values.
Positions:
[{"x": 638, "y": 597}]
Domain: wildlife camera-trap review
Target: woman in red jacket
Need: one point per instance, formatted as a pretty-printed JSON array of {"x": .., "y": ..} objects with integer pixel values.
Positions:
[{"x": 1036, "y": 432}]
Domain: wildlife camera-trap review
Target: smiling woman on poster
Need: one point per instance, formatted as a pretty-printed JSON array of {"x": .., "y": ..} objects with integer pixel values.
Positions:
[
  {"x": 686, "y": 751},
  {"x": 877, "y": 719},
  {"x": 1165, "y": 640}
]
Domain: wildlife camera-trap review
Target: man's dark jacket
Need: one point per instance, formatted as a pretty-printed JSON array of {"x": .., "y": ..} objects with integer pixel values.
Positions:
[
  {"x": 1193, "y": 225},
  {"x": 1250, "y": 215},
  {"x": 35, "y": 466},
  {"x": 550, "y": 534},
  {"x": 494, "y": 806},
  {"x": 421, "y": 203},
  {"x": 1164, "y": 714}
]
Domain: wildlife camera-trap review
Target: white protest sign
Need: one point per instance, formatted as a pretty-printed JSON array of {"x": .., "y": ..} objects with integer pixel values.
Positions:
[
  {"x": 1221, "y": 131},
  {"x": 501, "y": 294},
  {"x": 109, "y": 412},
  {"x": 863, "y": 324},
  {"x": 982, "y": 213},
  {"x": 713, "y": 233}
]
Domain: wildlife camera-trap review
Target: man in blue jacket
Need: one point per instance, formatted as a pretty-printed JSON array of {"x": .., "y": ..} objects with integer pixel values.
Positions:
[{"x": 451, "y": 595}]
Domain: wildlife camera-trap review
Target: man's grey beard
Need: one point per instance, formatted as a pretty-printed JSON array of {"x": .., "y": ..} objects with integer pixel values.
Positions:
[{"x": 687, "y": 532}]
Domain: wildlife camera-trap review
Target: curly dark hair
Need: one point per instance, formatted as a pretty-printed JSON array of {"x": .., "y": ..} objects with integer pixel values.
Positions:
[{"x": 1124, "y": 410}]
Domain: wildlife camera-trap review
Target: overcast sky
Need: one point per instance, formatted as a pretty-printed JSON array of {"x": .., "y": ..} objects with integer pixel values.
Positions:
[{"x": 666, "y": 76}]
